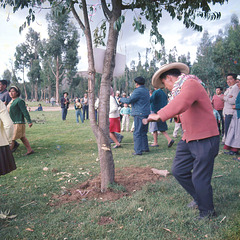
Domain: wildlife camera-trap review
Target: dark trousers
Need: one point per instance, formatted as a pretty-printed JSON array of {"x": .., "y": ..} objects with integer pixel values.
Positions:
[
  {"x": 228, "y": 119},
  {"x": 64, "y": 113},
  {"x": 140, "y": 135},
  {"x": 85, "y": 112},
  {"x": 193, "y": 168}
]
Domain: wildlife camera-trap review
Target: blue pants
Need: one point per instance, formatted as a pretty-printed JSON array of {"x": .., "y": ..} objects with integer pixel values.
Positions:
[
  {"x": 64, "y": 113},
  {"x": 85, "y": 112},
  {"x": 79, "y": 114},
  {"x": 193, "y": 168},
  {"x": 140, "y": 135}
]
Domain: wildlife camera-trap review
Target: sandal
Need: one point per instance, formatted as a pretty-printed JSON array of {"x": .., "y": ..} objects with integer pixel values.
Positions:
[{"x": 26, "y": 154}]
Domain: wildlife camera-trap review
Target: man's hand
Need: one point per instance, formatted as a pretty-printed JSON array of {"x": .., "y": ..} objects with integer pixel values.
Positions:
[
  {"x": 151, "y": 118},
  {"x": 30, "y": 124}
]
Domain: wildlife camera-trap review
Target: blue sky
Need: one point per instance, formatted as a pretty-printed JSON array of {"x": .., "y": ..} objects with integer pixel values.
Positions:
[{"x": 130, "y": 43}]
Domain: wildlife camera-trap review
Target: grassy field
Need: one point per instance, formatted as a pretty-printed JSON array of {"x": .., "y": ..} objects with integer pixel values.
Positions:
[{"x": 66, "y": 155}]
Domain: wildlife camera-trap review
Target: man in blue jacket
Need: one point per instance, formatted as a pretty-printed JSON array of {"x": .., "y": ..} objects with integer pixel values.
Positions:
[{"x": 140, "y": 101}]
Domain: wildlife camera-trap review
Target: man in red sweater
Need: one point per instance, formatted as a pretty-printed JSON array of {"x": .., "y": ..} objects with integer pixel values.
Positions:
[{"x": 196, "y": 151}]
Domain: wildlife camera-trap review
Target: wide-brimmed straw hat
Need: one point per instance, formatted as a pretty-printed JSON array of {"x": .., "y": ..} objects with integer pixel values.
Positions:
[{"x": 157, "y": 82}]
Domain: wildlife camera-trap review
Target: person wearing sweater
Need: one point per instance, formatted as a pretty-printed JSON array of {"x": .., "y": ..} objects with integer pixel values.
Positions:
[
  {"x": 229, "y": 98},
  {"x": 218, "y": 104},
  {"x": 196, "y": 151},
  {"x": 114, "y": 119},
  {"x": 18, "y": 111},
  {"x": 232, "y": 141},
  {"x": 7, "y": 163}
]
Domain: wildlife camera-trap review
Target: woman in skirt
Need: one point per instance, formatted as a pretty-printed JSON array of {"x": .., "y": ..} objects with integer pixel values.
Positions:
[
  {"x": 7, "y": 163},
  {"x": 18, "y": 110}
]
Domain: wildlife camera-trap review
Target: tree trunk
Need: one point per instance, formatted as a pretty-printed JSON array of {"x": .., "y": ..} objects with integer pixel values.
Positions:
[
  {"x": 24, "y": 86},
  {"x": 57, "y": 79},
  {"x": 36, "y": 91},
  {"x": 101, "y": 130}
]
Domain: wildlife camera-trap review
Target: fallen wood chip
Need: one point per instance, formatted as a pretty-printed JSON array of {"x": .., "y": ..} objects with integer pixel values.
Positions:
[
  {"x": 223, "y": 219},
  {"x": 160, "y": 172},
  {"x": 217, "y": 176}
]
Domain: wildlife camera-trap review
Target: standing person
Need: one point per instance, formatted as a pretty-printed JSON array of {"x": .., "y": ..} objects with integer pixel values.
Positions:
[
  {"x": 230, "y": 96},
  {"x": 196, "y": 151},
  {"x": 114, "y": 119},
  {"x": 78, "y": 110},
  {"x": 218, "y": 104},
  {"x": 158, "y": 100},
  {"x": 232, "y": 141},
  {"x": 64, "y": 105},
  {"x": 18, "y": 111},
  {"x": 53, "y": 101},
  {"x": 140, "y": 101},
  {"x": 7, "y": 163},
  {"x": 85, "y": 106},
  {"x": 125, "y": 112},
  {"x": 4, "y": 95}
]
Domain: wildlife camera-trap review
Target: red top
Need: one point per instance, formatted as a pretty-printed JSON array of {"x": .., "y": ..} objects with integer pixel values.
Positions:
[
  {"x": 194, "y": 110},
  {"x": 218, "y": 102}
]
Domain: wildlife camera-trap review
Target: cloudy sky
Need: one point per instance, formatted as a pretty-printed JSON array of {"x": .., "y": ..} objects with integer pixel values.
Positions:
[{"x": 130, "y": 43}]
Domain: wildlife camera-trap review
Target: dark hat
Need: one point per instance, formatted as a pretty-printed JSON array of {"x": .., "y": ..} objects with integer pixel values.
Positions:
[
  {"x": 139, "y": 80},
  {"x": 4, "y": 82}
]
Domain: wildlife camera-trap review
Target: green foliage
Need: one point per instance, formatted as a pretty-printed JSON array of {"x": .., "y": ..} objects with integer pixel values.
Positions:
[
  {"x": 99, "y": 34},
  {"x": 216, "y": 58}
]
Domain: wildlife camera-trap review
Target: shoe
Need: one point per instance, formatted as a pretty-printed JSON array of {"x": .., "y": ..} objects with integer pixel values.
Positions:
[
  {"x": 206, "y": 215},
  {"x": 16, "y": 145},
  {"x": 171, "y": 143},
  {"x": 193, "y": 204},
  {"x": 231, "y": 153},
  {"x": 117, "y": 146},
  {"x": 146, "y": 150},
  {"x": 136, "y": 153},
  {"x": 237, "y": 159},
  {"x": 26, "y": 154},
  {"x": 154, "y": 145}
]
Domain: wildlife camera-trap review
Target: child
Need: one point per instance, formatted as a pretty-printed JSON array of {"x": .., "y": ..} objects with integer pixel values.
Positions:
[
  {"x": 218, "y": 118},
  {"x": 125, "y": 112}
]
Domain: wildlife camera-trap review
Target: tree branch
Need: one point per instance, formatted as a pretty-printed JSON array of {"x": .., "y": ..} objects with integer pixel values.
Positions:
[
  {"x": 77, "y": 17},
  {"x": 106, "y": 11}
]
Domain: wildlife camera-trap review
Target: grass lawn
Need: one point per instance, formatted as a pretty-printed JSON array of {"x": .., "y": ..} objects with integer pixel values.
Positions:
[{"x": 66, "y": 155}]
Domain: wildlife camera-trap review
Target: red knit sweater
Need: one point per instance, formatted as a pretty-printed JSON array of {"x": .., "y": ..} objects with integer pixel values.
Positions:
[{"x": 194, "y": 111}]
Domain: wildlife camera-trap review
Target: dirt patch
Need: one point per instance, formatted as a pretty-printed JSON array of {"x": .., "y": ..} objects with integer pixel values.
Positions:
[{"x": 128, "y": 180}]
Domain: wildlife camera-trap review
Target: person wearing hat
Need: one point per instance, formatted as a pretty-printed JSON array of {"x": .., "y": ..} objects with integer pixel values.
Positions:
[
  {"x": 196, "y": 151},
  {"x": 140, "y": 101},
  {"x": 4, "y": 95},
  {"x": 64, "y": 105},
  {"x": 18, "y": 111}
]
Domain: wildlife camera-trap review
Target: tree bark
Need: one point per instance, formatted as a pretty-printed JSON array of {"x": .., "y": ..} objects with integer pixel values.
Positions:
[
  {"x": 101, "y": 130},
  {"x": 57, "y": 79}
]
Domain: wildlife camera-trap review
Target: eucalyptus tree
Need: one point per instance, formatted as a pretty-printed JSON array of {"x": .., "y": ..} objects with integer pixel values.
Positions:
[
  {"x": 226, "y": 48},
  {"x": 113, "y": 13},
  {"x": 21, "y": 62}
]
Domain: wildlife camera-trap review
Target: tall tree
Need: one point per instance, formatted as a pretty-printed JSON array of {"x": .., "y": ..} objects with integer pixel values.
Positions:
[
  {"x": 21, "y": 63},
  {"x": 185, "y": 11},
  {"x": 32, "y": 45}
]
